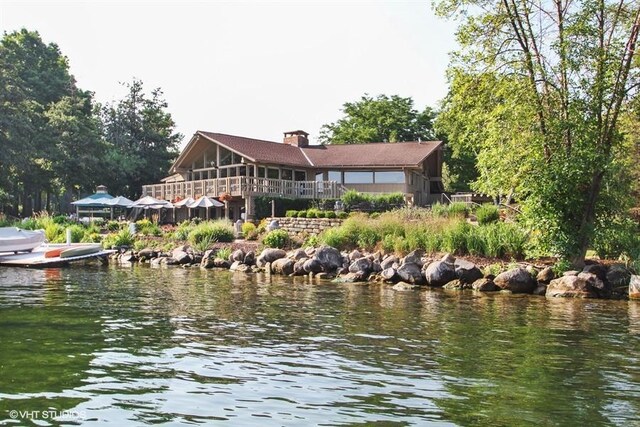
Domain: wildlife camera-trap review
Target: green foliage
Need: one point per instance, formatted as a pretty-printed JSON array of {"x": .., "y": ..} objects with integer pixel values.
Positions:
[
  {"x": 458, "y": 209},
  {"x": 207, "y": 233},
  {"x": 302, "y": 214},
  {"x": 247, "y": 228},
  {"x": 621, "y": 237},
  {"x": 282, "y": 205},
  {"x": 113, "y": 226},
  {"x": 77, "y": 233},
  {"x": 181, "y": 232},
  {"x": 224, "y": 253},
  {"x": 380, "y": 119},
  {"x": 120, "y": 239},
  {"x": 312, "y": 240},
  {"x": 343, "y": 215},
  {"x": 54, "y": 233},
  {"x": 353, "y": 200},
  {"x": 542, "y": 115},
  {"x": 330, "y": 214},
  {"x": 487, "y": 214},
  {"x": 291, "y": 214},
  {"x": 276, "y": 239}
]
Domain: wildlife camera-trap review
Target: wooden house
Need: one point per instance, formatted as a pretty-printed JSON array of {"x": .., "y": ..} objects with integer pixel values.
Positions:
[{"x": 240, "y": 168}]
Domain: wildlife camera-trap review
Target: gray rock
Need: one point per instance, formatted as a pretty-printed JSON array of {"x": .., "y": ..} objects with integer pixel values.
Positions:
[
  {"x": 250, "y": 258},
  {"x": 350, "y": 278},
  {"x": 466, "y": 271},
  {"x": 361, "y": 265},
  {"x": 298, "y": 254},
  {"x": 169, "y": 261},
  {"x": 541, "y": 289},
  {"x": 388, "y": 261},
  {"x": 312, "y": 266},
  {"x": 310, "y": 251},
  {"x": 282, "y": 266},
  {"x": 155, "y": 262},
  {"x": 571, "y": 273},
  {"x": 271, "y": 254},
  {"x": 454, "y": 285},
  {"x": 448, "y": 258},
  {"x": 298, "y": 268},
  {"x": 634, "y": 287},
  {"x": 618, "y": 275},
  {"x": 147, "y": 253},
  {"x": 354, "y": 255},
  {"x": 376, "y": 266},
  {"x": 221, "y": 263},
  {"x": 404, "y": 286},
  {"x": 234, "y": 265},
  {"x": 243, "y": 268},
  {"x": 388, "y": 273},
  {"x": 414, "y": 257},
  {"x": 238, "y": 255},
  {"x": 128, "y": 256},
  {"x": 572, "y": 286},
  {"x": 330, "y": 258},
  {"x": 439, "y": 273},
  {"x": 181, "y": 257},
  {"x": 411, "y": 273},
  {"x": 546, "y": 275},
  {"x": 484, "y": 285},
  {"x": 597, "y": 269},
  {"x": 325, "y": 276},
  {"x": 377, "y": 257},
  {"x": 518, "y": 281}
]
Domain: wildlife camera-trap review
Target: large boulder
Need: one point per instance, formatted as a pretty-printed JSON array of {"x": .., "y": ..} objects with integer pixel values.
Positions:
[
  {"x": 238, "y": 255},
  {"x": 221, "y": 263},
  {"x": 147, "y": 254},
  {"x": 388, "y": 273},
  {"x": 329, "y": 257},
  {"x": 546, "y": 275},
  {"x": 180, "y": 256},
  {"x": 414, "y": 257},
  {"x": 250, "y": 258},
  {"x": 466, "y": 271},
  {"x": 362, "y": 264},
  {"x": 388, "y": 262},
  {"x": 298, "y": 268},
  {"x": 584, "y": 285},
  {"x": 282, "y": 266},
  {"x": 634, "y": 287},
  {"x": 454, "y": 285},
  {"x": 618, "y": 275},
  {"x": 270, "y": 255},
  {"x": 298, "y": 254},
  {"x": 403, "y": 287},
  {"x": 354, "y": 255},
  {"x": 411, "y": 273},
  {"x": 518, "y": 281},
  {"x": 312, "y": 266},
  {"x": 484, "y": 285},
  {"x": 234, "y": 265},
  {"x": 439, "y": 273}
]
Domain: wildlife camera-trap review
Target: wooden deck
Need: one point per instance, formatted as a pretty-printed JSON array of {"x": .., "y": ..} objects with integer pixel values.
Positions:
[
  {"x": 36, "y": 258},
  {"x": 244, "y": 186}
]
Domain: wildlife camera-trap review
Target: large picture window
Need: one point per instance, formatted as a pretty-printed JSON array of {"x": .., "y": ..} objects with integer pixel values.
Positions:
[
  {"x": 358, "y": 177},
  {"x": 335, "y": 176},
  {"x": 389, "y": 177},
  {"x": 273, "y": 173}
]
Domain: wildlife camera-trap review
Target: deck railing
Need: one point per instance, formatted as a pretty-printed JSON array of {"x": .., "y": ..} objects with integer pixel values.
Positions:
[{"x": 242, "y": 186}]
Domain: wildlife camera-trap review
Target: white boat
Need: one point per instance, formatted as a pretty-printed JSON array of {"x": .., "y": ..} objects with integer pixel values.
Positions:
[{"x": 16, "y": 240}]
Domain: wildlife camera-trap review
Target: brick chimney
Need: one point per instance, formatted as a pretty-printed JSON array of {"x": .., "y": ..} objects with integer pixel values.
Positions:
[{"x": 297, "y": 138}]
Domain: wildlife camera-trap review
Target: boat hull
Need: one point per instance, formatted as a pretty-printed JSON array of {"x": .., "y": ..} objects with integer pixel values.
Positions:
[
  {"x": 80, "y": 250},
  {"x": 13, "y": 239}
]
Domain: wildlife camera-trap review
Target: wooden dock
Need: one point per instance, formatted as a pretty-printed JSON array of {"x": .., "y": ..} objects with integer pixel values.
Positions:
[{"x": 36, "y": 258}]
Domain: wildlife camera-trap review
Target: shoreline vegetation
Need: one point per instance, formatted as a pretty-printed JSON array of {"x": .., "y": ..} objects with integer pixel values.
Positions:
[{"x": 449, "y": 246}]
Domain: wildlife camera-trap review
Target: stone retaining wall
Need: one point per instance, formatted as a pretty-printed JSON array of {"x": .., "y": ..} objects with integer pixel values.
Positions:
[{"x": 295, "y": 226}]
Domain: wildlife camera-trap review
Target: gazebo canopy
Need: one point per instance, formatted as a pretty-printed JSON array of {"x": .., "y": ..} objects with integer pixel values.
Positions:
[{"x": 93, "y": 202}]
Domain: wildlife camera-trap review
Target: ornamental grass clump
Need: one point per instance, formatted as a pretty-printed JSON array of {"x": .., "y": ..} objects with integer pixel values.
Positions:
[
  {"x": 276, "y": 239},
  {"x": 210, "y": 232},
  {"x": 487, "y": 213}
]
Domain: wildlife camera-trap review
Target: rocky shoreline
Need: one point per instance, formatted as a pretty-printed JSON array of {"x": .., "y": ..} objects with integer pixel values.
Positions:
[{"x": 406, "y": 273}]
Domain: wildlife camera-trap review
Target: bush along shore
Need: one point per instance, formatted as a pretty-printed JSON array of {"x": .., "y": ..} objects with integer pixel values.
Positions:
[{"x": 413, "y": 271}]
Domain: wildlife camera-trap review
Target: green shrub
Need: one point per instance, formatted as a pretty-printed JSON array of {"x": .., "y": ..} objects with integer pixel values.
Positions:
[
  {"x": 248, "y": 228},
  {"x": 291, "y": 214},
  {"x": 312, "y": 240},
  {"x": 276, "y": 239},
  {"x": 334, "y": 237},
  {"x": 113, "y": 226},
  {"x": 120, "y": 239},
  {"x": 302, "y": 214},
  {"x": 458, "y": 209},
  {"x": 61, "y": 219},
  {"x": 343, "y": 215},
  {"x": 321, "y": 214},
  {"x": 182, "y": 231},
  {"x": 90, "y": 237},
  {"x": 224, "y": 253},
  {"x": 211, "y": 232},
  {"x": 618, "y": 237},
  {"x": 77, "y": 233},
  {"x": 439, "y": 210},
  {"x": 54, "y": 233},
  {"x": 330, "y": 214},
  {"x": 311, "y": 213},
  {"x": 487, "y": 213}
]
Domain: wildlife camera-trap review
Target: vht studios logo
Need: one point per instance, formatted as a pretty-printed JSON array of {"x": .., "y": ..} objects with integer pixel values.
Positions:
[{"x": 46, "y": 415}]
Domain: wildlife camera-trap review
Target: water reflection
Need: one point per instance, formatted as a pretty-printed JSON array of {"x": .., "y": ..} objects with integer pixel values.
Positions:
[{"x": 131, "y": 346}]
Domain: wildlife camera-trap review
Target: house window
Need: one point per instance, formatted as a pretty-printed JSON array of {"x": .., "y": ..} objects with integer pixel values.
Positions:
[
  {"x": 223, "y": 173},
  {"x": 242, "y": 171},
  {"x": 261, "y": 172},
  {"x": 213, "y": 174},
  {"x": 273, "y": 173},
  {"x": 225, "y": 157},
  {"x": 320, "y": 176},
  {"x": 389, "y": 177},
  {"x": 233, "y": 171},
  {"x": 287, "y": 174},
  {"x": 358, "y": 177},
  {"x": 300, "y": 175},
  {"x": 335, "y": 176}
]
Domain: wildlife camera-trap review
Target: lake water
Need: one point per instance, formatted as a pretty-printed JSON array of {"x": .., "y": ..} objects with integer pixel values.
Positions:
[{"x": 186, "y": 347}]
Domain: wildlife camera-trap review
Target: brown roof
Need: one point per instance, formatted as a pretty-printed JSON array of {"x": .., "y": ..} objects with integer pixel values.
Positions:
[
  {"x": 401, "y": 154},
  {"x": 257, "y": 150}
]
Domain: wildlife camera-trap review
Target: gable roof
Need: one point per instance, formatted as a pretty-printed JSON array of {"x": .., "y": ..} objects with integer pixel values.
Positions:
[{"x": 400, "y": 154}]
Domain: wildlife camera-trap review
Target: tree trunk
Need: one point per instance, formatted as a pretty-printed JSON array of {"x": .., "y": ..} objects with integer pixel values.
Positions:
[{"x": 583, "y": 237}]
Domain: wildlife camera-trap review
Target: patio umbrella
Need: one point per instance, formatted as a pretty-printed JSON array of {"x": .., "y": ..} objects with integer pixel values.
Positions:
[
  {"x": 120, "y": 202},
  {"x": 206, "y": 202},
  {"x": 183, "y": 203},
  {"x": 151, "y": 203}
]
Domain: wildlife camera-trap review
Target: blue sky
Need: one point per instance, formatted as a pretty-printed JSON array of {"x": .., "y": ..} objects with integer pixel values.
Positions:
[{"x": 251, "y": 68}]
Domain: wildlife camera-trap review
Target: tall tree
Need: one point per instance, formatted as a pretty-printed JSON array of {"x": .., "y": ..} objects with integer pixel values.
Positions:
[
  {"x": 141, "y": 139},
  {"x": 380, "y": 119},
  {"x": 576, "y": 61}
]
